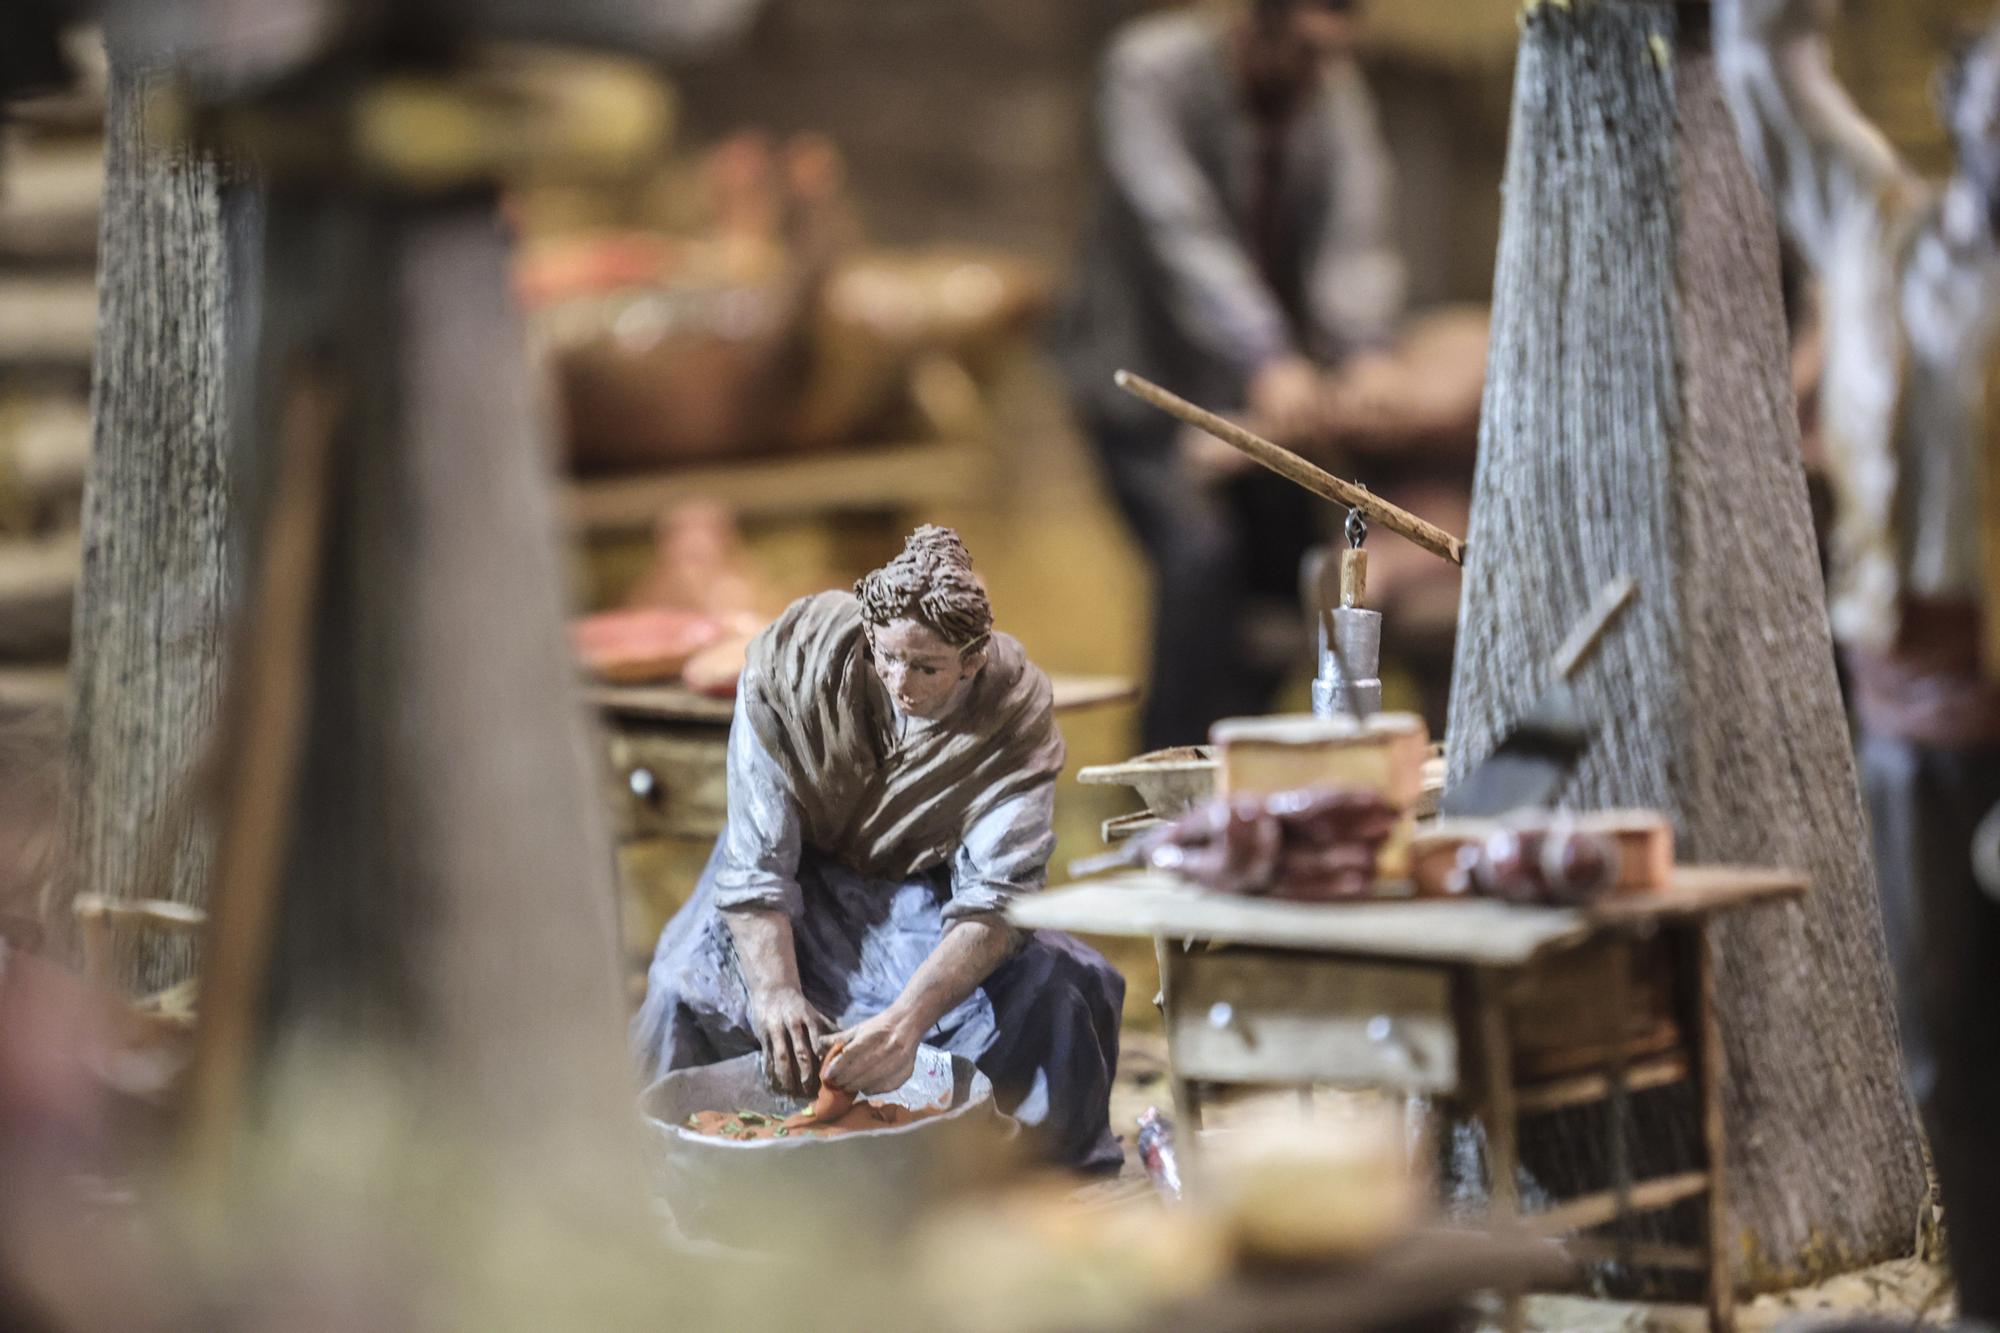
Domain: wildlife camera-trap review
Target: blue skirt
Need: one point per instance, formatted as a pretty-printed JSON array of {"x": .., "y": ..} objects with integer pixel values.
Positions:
[{"x": 1043, "y": 1027}]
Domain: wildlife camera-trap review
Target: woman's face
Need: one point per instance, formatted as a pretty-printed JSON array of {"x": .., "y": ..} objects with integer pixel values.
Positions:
[{"x": 924, "y": 675}]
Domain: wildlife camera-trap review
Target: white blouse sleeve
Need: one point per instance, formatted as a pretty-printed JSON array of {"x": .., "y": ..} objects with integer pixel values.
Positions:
[
  {"x": 1005, "y": 852},
  {"x": 759, "y": 865}
]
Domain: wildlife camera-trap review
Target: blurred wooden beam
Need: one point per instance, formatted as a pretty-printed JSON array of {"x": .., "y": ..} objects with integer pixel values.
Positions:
[
  {"x": 37, "y": 591},
  {"x": 882, "y": 477},
  {"x": 49, "y": 202},
  {"x": 48, "y": 322}
]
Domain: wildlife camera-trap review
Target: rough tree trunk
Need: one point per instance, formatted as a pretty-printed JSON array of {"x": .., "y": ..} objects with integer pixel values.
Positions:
[
  {"x": 150, "y": 611},
  {"x": 445, "y": 900},
  {"x": 1639, "y": 418}
]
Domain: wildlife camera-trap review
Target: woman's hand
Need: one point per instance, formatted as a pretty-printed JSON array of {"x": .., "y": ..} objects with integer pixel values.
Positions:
[
  {"x": 878, "y": 1055},
  {"x": 790, "y": 1031}
]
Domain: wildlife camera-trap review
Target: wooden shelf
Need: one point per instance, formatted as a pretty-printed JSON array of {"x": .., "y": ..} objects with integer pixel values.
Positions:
[
  {"x": 1120, "y": 827},
  {"x": 863, "y": 480},
  {"x": 1582, "y": 1089},
  {"x": 48, "y": 322},
  {"x": 1640, "y": 1253},
  {"x": 1594, "y": 1210}
]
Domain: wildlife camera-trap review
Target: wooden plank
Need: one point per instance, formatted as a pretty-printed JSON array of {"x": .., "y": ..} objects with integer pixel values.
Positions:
[
  {"x": 1476, "y": 931},
  {"x": 1581, "y": 1089},
  {"x": 677, "y": 703},
  {"x": 1479, "y": 931},
  {"x": 1120, "y": 827},
  {"x": 1258, "y": 1016},
  {"x": 1594, "y": 1210},
  {"x": 1701, "y": 890},
  {"x": 884, "y": 477},
  {"x": 1642, "y": 1253}
]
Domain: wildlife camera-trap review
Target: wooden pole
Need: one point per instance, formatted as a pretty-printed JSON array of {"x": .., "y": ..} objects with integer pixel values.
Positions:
[{"x": 1293, "y": 468}]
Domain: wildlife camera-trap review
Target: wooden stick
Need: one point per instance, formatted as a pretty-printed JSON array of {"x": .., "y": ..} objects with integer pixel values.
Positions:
[
  {"x": 265, "y": 724},
  {"x": 1354, "y": 577},
  {"x": 1644, "y": 1254},
  {"x": 1594, "y": 1210},
  {"x": 1293, "y": 468},
  {"x": 1611, "y": 599}
]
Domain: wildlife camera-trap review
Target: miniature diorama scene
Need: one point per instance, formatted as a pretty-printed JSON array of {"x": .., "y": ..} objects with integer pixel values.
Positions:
[{"x": 999, "y": 665}]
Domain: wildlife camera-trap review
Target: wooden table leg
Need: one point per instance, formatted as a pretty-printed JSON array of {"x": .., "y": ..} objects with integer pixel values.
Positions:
[
  {"x": 1501, "y": 1117},
  {"x": 1618, "y": 1010},
  {"x": 1187, "y": 1097},
  {"x": 1698, "y": 971}
]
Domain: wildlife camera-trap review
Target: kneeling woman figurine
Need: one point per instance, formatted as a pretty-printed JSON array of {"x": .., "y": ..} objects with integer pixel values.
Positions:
[{"x": 892, "y": 772}]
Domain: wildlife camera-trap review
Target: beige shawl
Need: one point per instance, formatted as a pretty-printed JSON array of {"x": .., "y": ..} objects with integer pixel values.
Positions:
[{"x": 882, "y": 808}]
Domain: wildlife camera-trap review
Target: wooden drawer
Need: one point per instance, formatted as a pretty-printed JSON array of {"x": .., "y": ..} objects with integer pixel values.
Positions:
[
  {"x": 669, "y": 783},
  {"x": 1260, "y": 1016}
]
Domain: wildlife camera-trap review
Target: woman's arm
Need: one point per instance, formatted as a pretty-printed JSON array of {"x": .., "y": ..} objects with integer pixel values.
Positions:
[
  {"x": 757, "y": 892},
  {"x": 1005, "y": 852},
  {"x": 880, "y": 1054},
  {"x": 788, "y": 1027}
]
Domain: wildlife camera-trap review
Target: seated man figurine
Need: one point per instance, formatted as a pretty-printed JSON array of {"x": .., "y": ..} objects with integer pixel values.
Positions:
[{"x": 892, "y": 773}]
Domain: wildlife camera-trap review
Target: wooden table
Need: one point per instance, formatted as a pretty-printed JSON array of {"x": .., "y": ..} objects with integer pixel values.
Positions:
[{"x": 1508, "y": 1011}]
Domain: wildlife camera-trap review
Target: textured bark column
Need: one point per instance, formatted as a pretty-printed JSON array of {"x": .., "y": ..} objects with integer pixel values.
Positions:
[
  {"x": 1639, "y": 419},
  {"x": 150, "y": 612},
  {"x": 445, "y": 903}
]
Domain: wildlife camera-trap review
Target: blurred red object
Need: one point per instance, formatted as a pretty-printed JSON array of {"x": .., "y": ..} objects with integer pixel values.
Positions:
[
  {"x": 700, "y": 563},
  {"x": 715, "y": 670},
  {"x": 1316, "y": 844},
  {"x": 642, "y": 645},
  {"x": 770, "y": 328}
]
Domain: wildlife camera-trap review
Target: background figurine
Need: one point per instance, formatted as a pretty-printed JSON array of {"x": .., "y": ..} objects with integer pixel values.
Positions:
[
  {"x": 892, "y": 774},
  {"x": 1242, "y": 241},
  {"x": 1911, "y": 273}
]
